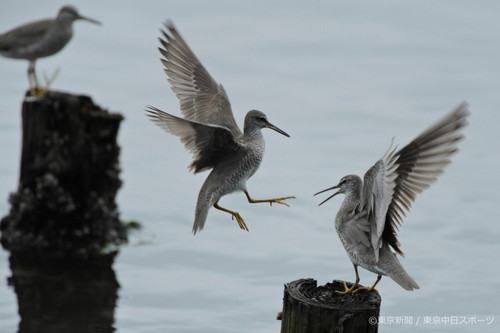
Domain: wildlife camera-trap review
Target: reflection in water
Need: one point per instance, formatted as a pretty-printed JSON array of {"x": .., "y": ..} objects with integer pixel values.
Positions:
[{"x": 64, "y": 295}]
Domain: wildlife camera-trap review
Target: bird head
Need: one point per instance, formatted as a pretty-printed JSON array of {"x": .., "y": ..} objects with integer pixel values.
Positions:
[
  {"x": 256, "y": 120},
  {"x": 346, "y": 184},
  {"x": 70, "y": 14}
]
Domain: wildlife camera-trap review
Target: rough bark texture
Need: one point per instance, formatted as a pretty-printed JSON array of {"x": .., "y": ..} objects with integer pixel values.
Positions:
[
  {"x": 69, "y": 177},
  {"x": 308, "y": 308}
]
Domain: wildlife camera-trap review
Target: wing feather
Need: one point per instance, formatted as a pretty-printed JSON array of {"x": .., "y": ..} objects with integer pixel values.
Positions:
[
  {"x": 201, "y": 98},
  {"x": 378, "y": 189},
  {"x": 393, "y": 183},
  {"x": 25, "y": 35},
  {"x": 420, "y": 163},
  {"x": 208, "y": 143},
  {"x": 357, "y": 230}
]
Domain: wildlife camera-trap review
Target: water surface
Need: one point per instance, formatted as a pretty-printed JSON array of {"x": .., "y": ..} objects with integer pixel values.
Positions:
[{"x": 342, "y": 78}]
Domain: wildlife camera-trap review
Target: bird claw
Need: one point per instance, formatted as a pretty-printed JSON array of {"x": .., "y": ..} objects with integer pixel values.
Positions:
[
  {"x": 271, "y": 201},
  {"x": 38, "y": 92},
  {"x": 234, "y": 215},
  {"x": 353, "y": 289},
  {"x": 363, "y": 288},
  {"x": 347, "y": 290},
  {"x": 280, "y": 201},
  {"x": 240, "y": 220}
]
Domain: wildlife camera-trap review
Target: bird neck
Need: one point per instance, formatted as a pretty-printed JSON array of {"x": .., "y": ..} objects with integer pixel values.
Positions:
[
  {"x": 351, "y": 200},
  {"x": 252, "y": 133},
  {"x": 65, "y": 20}
]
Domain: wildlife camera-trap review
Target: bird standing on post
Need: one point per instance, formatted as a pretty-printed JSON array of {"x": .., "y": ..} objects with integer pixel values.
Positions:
[
  {"x": 40, "y": 39},
  {"x": 209, "y": 130},
  {"x": 373, "y": 209}
]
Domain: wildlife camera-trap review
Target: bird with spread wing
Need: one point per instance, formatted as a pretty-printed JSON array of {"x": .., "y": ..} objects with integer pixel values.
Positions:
[
  {"x": 373, "y": 208},
  {"x": 209, "y": 131}
]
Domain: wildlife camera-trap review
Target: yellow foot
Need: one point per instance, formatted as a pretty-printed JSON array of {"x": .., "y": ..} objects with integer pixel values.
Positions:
[
  {"x": 271, "y": 201},
  {"x": 280, "y": 201},
  {"x": 234, "y": 215},
  {"x": 371, "y": 287},
  {"x": 347, "y": 290},
  {"x": 38, "y": 92},
  {"x": 239, "y": 219},
  {"x": 364, "y": 288}
]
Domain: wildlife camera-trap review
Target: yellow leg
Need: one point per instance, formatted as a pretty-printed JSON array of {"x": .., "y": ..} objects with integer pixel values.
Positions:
[
  {"x": 33, "y": 81},
  {"x": 35, "y": 89},
  {"x": 234, "y": 215},
  {"x": 379, "y": 277},
  {"x": 353, "y": 288},
  {"x": 271, "y": 201}
]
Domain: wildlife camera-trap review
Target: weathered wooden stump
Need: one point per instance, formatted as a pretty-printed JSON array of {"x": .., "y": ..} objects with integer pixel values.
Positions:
[
  {"x": 69, "y": 177},
  {"x": 308, "y": 308}
]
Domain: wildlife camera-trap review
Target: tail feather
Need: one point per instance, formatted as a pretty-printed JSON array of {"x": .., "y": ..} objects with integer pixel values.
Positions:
[
  {"x": 404, "y": 280},
  {"x": 206, "y": 199},
  {"x": 390, "y": 264},
  {"x": 200, "y": 216}
]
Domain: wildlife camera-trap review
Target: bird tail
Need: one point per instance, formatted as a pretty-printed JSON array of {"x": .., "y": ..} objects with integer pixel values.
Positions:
[
  {"x": 200, "y": 216},
  {"x": 395, "y": 270},
  {"x": 404, "y": 280},
  {"x": 205, "y": 201}
]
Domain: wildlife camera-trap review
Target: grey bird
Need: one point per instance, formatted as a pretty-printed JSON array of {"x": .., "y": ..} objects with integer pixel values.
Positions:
[
  {"x": 40, "y": 39},
  {"x": 373, "y": 209},
  {"x": 209, "y": 130}
]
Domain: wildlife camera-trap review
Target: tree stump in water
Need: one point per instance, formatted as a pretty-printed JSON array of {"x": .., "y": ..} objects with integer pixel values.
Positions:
[
  {"x": 69, "y": 177},
  {"x": 312, "y": 309}
]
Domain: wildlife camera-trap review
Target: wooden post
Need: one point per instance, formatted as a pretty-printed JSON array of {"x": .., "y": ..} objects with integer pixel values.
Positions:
[
  {"x": 312, "y": 309},
  {"x": 69, "y": 177}
]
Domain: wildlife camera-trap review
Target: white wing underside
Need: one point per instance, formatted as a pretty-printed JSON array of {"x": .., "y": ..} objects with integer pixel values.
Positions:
[
  {"x": 392, "y": 184},
  {"x": 378, "y": 189}
]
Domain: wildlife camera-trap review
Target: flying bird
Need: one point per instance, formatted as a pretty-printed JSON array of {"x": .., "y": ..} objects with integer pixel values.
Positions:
[{"x": 209, "y": 130}]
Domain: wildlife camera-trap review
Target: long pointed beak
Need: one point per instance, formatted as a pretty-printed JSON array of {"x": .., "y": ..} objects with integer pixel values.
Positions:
[
  {"x": 328, "y": 189},
  {"x": 89, "y": 19},
  {"x": 280, "y": 131}
]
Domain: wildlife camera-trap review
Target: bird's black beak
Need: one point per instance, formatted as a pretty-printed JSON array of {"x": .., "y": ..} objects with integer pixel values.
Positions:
[
  {"x": 88, "y": 19},
  {"x": 271, "y": 126},
  {"x": 328, "y": 189}
]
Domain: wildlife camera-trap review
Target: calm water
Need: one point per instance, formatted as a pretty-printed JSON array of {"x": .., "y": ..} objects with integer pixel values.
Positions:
[{"x": 342, "y": 79}]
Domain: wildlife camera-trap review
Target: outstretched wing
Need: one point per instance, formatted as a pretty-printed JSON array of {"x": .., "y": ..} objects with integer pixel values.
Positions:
[
  {"x": 392, "y": 184},
  {"x": 209, "y": 144},
  {"x": 202, "y": 99}
]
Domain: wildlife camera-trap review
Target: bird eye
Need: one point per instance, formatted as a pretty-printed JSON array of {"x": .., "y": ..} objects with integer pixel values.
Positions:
[{"x": 262, "y": 119}]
